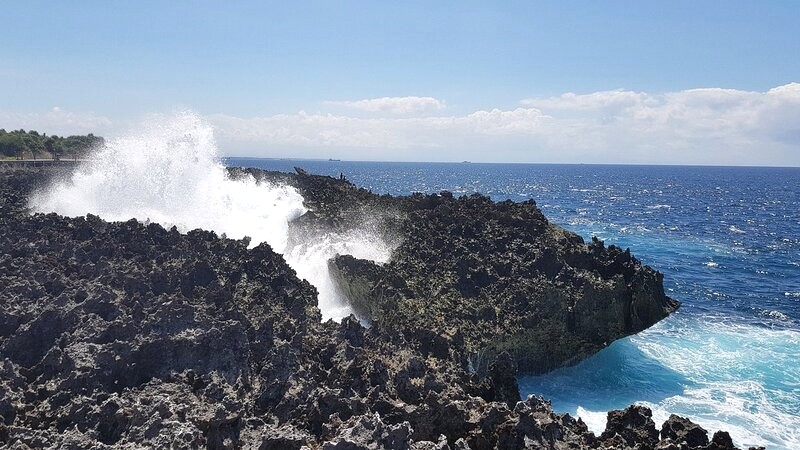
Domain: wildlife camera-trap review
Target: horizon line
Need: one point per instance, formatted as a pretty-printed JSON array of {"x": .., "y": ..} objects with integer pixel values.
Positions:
[{"x": 514, "y": 162}]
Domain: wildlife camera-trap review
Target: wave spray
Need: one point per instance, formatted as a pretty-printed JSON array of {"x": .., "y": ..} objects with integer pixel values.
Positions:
[{"x": 169, "y": 172}]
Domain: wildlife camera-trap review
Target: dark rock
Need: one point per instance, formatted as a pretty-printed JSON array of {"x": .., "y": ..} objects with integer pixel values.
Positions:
[
  {"x": 125, "y": 335},
  {"x": 634, "y": 425},
  {"x": 500, "y": 273},
  {"x": 721, "y": 441},
  {"x": 368, "y": 432},
  {"x": 503, "y": 376},
  {"x": 269, "y": 437},
  {"x": 681, "y": 430}
]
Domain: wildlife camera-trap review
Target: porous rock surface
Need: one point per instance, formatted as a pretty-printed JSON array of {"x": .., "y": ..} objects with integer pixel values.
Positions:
[
  {"x": 473, "y": 278},
  {"x": 125, "y": 335}
]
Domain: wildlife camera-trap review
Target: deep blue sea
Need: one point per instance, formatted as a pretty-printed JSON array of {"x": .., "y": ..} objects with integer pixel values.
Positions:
[{"x": 728, "y": 242}]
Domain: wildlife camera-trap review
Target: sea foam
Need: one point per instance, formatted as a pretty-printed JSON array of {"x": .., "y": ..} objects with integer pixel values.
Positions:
[
  {"x": 723, "y": 376},
  {"x": 168, "y": 172}
]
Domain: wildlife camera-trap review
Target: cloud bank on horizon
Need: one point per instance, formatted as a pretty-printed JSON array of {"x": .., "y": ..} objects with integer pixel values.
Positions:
[
  {"x": 393, "y": 105},
  {"x": 696, "y": 126}
]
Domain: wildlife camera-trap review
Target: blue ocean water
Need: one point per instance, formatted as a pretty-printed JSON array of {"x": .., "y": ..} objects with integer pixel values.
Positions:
[{"x": 728, "y": 242}]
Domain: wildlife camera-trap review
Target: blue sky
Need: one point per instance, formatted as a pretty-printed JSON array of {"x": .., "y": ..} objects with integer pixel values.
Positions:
[{"x": 285, "y": 78}]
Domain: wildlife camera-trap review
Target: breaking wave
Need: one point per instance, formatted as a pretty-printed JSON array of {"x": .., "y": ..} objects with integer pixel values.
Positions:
[{"x": 169, "y": 172}]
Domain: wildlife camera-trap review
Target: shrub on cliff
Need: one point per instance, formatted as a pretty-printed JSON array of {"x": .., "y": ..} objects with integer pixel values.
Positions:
[{"x": 21, "y": 143}]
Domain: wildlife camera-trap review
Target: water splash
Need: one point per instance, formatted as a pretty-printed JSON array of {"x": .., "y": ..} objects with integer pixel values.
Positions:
[
  {"x": 169, "y": 172},
  {"x": 310, "y": 259}
]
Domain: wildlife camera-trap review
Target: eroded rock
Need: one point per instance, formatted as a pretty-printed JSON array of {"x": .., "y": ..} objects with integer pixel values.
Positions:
[{"x": 125, "y": 335}]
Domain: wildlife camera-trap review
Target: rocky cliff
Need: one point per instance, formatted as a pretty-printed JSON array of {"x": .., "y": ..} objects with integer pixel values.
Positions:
[
  {"x": 126, "y": 335},
  {"x": 472, "y": 278}
]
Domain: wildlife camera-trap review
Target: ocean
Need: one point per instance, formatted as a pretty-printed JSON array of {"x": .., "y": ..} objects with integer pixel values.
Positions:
[{"x": 728, "y": 242}]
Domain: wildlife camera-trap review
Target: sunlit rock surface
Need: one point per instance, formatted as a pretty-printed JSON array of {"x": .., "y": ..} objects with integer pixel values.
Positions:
[{"x": 125, "y": 335}]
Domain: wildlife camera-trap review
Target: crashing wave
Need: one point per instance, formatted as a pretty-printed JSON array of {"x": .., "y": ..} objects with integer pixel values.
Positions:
[{"x": 169, "y": 172}]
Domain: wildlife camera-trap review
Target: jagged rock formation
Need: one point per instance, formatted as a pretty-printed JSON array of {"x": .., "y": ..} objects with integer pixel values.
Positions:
[
  {"x": 125, "y": 335},
  {"x": 475, "y": 278}
]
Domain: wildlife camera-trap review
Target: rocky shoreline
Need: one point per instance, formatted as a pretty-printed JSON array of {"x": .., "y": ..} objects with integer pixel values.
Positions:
[
  {"x": 471, "y": 278},
  {"x": 126, "y": 335}
]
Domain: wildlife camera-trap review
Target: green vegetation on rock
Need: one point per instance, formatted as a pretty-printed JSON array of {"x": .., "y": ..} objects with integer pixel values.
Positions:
[{"x": 23, "y": 144}]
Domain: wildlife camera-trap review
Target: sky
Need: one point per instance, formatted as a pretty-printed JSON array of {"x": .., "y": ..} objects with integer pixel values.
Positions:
[{"x": 678, "y": 82}]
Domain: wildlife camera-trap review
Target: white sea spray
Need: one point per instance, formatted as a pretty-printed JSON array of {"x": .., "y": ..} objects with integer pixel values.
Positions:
[{"x": 168, "y": 172}]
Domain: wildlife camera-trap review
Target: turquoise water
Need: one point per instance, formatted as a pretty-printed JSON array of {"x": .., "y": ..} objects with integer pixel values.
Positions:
[{"x": 727, "y": 240}]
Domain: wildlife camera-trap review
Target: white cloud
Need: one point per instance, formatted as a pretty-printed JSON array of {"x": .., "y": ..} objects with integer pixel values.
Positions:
[
  {"x": 393, "y": 105},
  {"x": 328, "y": 130},
  {"x": 700, "y": 113},
  {"x": 611, "y": 100},
  {"x": 56, "y": 121},
  {"x": 696, "y": 126},
  {"x": 712, "y": 125}
]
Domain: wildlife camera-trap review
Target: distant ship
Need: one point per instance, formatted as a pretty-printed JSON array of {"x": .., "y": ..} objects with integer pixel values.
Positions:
[
  {"x": 466, "y": 162},
  {"x": 331, "y": 159}
]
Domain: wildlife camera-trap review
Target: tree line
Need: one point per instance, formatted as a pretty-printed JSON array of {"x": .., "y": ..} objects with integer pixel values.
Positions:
[{"x": 23, "y": 144}]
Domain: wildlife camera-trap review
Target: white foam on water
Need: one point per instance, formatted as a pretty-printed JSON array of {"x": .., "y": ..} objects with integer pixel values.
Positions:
[
  {"x": 741, "y": 378},
  {"x": 594, "y": 420},
  {"x": 740, "y": 408},
  {"x": 734, "y": 229},
  {"x": 744, "y": 379},
  {"x": 778, "y": 316},
  {"x": 168, "y": 172}
]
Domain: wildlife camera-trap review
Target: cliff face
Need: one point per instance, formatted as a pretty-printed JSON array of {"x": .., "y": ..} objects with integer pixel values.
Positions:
[
  {"x": 125, "y": 335},
  {"x": 472, "y": 278}
]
